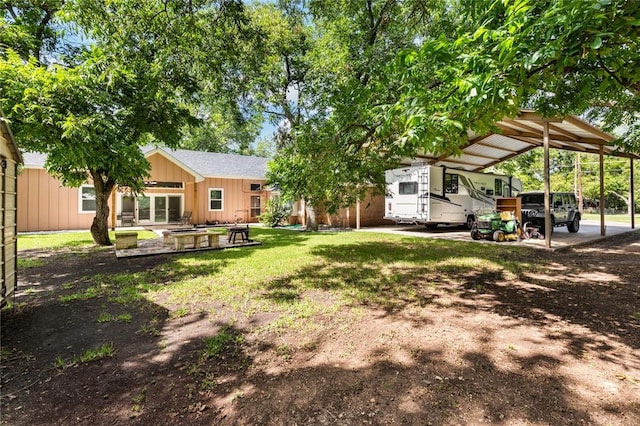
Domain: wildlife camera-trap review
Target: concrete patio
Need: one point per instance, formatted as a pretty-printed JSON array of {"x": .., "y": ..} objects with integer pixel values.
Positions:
[
  {"x": 561, "y": 238},
  {"x": 156, "y": 246}
]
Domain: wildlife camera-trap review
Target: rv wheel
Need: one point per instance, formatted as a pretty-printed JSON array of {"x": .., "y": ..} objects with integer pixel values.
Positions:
[{"x": 470, "y": 221}]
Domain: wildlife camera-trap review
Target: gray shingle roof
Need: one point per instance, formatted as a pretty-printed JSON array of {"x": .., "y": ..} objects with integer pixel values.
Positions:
[
  {"x": 206, "y": 164},
  {"x": 212, "y": 164}
]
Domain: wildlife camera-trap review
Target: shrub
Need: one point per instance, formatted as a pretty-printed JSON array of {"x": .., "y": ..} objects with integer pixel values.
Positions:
[{"x": 276, "y": 211}]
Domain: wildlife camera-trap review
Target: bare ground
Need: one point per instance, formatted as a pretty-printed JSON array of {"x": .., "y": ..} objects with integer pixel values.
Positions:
[{"x": 558, "y": 348}]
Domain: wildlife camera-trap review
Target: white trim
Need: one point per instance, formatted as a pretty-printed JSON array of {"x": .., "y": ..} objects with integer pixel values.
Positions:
[
  {"x": 209, "y": 199},
  {"x": 80, "y": 209},
  {"x": 152, "y": 206}
]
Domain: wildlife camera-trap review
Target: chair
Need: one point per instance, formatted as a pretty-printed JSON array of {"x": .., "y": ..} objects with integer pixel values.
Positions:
[
  {"x": 127, "y": 218},
  {"x": 186, "y": 218}
]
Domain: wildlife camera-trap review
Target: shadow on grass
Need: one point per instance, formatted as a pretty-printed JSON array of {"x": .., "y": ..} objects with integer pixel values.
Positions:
[
  {"x": 161, "y": 370},
  {"x": 544, "y": 288}
]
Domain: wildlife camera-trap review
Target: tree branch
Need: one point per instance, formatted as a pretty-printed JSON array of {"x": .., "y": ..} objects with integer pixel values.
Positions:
[
  {"x": 541, "y": 67},
  {"x": 12, "y": 11},
  {"x": 615, "y": 76}
]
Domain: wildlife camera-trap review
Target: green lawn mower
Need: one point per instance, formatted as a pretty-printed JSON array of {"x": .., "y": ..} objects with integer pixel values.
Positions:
[{"x": 497, "y": 226}]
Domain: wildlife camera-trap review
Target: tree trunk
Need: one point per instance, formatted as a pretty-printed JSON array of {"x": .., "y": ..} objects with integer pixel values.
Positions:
[
  {"x": 312, "y": 223},
  {"x": 625, "y": 199},
  {"x": 100, "y": 225}
]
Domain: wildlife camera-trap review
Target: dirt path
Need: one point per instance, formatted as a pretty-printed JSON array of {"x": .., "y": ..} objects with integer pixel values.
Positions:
[{"x": 559, "y": 348}]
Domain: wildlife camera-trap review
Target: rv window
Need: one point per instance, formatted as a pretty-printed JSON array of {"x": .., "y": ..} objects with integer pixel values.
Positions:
[
  {"x": 498, "y": 187},
  {"x": 450, "y": 183},
  {"x": 408, "y": 188}
]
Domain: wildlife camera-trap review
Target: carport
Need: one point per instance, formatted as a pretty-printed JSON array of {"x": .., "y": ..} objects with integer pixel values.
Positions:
[{"x": 531, "y": 130}]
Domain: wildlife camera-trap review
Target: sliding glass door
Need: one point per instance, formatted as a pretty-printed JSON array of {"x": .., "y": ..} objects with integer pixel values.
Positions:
[{"x": 154, "y": 208}]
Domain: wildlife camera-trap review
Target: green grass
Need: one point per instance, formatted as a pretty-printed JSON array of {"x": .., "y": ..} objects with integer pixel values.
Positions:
[
  {"x": 60, "y": 240},
  {"x": 621, "y": 218},
  {"x": 215, "y": 346},
  {"x": 31, "y": 262},
  {"x": 301, "y": 276},
  {"x": 106, "y": 350},
  {"x": 179, "y": 313},
  {"x": 105, "y": 316}
]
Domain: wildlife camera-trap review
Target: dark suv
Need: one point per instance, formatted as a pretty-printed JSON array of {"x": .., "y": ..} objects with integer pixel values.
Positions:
[{"x": 564, "y": 210}]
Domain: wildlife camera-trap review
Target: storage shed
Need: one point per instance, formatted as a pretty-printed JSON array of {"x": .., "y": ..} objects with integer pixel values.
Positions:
[{"x": 10, "y": 158}]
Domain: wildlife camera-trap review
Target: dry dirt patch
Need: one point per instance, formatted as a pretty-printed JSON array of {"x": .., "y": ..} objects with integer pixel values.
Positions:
[{"x": 558, "y": 347}]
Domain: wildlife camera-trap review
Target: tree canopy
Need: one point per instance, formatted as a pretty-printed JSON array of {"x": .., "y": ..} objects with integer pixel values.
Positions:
[
  {"x": 354, "y": 86},
  {"x": 557, "y": 57},
  {"x": 323, "y": 74},
  {"x": 131, "y": 85}
]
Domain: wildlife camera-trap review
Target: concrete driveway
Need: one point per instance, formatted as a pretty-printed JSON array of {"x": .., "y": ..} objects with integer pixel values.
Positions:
[{"x": 561, "y": 238}]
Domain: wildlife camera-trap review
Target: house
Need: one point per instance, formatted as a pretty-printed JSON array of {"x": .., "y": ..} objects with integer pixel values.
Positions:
[
  {"x": 206, "y": 187},
  {"x": 10, "y": 158}
]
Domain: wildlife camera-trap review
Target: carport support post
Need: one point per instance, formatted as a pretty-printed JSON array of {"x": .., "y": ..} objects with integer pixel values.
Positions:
[
  {"x": 602, "y": 228},
  {"x": 632, "y": 196},
  {"x": 547, "y": 186}
]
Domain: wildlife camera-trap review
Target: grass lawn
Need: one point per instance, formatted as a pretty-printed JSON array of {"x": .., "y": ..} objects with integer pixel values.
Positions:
[
  {"x": 622, "y": 218},
  {"x": 324, "y": 328},
  {"x": 59, "y": 240},
  {"x": 380, "y": 269}
]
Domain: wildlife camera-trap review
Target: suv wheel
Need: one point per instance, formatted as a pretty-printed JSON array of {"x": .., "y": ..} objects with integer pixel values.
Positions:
[{"x": 574, "y": 225}]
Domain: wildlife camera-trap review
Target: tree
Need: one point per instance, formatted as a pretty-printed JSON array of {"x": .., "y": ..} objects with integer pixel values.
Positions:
[
  {"x": 131, "y": 86},
  {"x": 322, "y": 73},
  {"x": 558, "y": 57},
  {"x": 91, "y": 121},
  {"x": 222, "y": 129},
  {"x": 27, "y": 27}
]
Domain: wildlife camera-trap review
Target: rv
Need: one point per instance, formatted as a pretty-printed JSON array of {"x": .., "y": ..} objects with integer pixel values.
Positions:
[{"x": 433, "y": 195}]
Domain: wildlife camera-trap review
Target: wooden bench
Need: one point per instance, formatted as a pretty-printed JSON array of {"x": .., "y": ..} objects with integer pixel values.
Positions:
[
  {"x": 181, "y": 238},
  {"x": 126, "y": 240},
  {"x": 233, "y": 232}
]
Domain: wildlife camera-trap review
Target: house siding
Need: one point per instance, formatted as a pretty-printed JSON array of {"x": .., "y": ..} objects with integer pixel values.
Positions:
[
  {"x": 47, "y": 205},
  {"x": 164, "y": 170},
  {"x": 371, "y": 214},
  {"x": 236, "y": 200}
]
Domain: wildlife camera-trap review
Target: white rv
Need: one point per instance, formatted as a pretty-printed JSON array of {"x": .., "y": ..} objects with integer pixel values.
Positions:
[{"x": 433, "y": 195}]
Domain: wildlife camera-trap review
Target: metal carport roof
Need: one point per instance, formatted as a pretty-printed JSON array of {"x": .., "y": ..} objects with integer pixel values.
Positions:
[
  {"x": 531, "y": 130},
  {"x": 524, "y": 133}
]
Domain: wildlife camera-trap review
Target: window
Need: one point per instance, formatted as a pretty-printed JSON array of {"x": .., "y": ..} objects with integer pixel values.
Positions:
[
  {"x": 255, "y": 206},
  {"x": 154, "y": 184},
  {"x": 87, "y": 199},
  {"x": 256, "y": 187},
  {"x": 408, "y": 188},
  {"x": 215, "y": 199},
  {"x": 450, "y": 183},
  {"x": 498, "y": 187}
]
